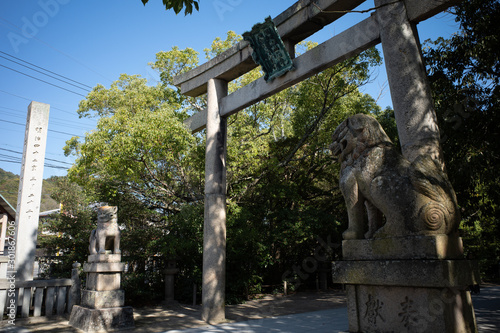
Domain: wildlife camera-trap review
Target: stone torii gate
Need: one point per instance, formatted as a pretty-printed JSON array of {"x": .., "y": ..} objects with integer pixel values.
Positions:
[{"x": 393, "y": 24}]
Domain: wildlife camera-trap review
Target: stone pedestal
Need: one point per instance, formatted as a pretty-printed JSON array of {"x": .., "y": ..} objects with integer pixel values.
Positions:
[
  {"x": 407, "y": 284},
  {"x": 102, "y": 306},
  {"x": 102, "y": 320}
]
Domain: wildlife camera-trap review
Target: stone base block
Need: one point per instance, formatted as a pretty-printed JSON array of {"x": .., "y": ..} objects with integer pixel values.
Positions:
[
  {"x": 104, "y": 258},
  {"x": 407, "y": 248},
  {"x": 408, "y": 295},
  {"x": 103, "y": 299},
  {"x": 410, "y": 273},
  {"x": 101, "y": 320},
  {"x": 103, "y": 281},
  {"x": 407, "y": 309},
  {"x": 103, "y": 267}
]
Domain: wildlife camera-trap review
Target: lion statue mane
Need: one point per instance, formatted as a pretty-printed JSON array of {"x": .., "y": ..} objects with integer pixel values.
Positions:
[{"x": 386, "y": 195}]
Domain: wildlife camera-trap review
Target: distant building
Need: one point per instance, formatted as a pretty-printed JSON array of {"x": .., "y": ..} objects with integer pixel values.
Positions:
[{"x": 7, "y": 213}]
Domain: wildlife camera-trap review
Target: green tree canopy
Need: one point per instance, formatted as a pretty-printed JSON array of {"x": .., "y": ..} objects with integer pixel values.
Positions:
[
  {"x": 283, "y": 198},
  {"x": 464, "y": 72}
]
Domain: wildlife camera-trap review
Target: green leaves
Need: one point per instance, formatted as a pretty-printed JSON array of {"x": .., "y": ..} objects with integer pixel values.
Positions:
[
  {"x": 282, "y": 184},
  {"x": 464, "y": 72},
  {"x": 178, "y": 5}
]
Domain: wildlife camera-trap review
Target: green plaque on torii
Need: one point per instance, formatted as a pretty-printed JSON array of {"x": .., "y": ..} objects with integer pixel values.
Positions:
[{"x": 268, "y": 49}]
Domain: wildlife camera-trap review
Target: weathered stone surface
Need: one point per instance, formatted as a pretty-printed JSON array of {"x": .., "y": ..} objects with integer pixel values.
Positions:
[
  {"x": 214, "y": 259},
  {"x": 415, "y": 198},
  {"x": 102, "y": 320},
  {"x": 407, "y": 309},
  {"x": 411, "y": 273},
  {"x": 30, "y": 189},
  {"x": 214, "y": 230},
  {"x": 410, "y": 247},
  {"x": 103, "y": 281},
  {"x": 75, "y": 291},
  {"x": 410, "y": 91},
  {"x": 103, "y": 299},
  {"x": 104, "y": 258},
  {"x": 103, "y": 267}
]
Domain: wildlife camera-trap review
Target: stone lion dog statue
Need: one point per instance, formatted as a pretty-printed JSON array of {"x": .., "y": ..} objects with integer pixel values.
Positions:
[
  {"x": 386, "y": 195},
  {"x": 107, "y": 234}
]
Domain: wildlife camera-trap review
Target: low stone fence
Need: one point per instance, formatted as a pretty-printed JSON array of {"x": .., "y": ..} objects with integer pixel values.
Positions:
[{"x": 38, "y": 298}]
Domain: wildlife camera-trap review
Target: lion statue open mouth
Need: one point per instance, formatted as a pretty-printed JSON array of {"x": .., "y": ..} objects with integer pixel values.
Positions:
[{"x": 386, "y": 195}]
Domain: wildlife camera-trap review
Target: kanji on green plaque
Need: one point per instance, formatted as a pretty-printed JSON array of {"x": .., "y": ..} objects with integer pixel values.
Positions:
[{"x": 269, "y": 50}]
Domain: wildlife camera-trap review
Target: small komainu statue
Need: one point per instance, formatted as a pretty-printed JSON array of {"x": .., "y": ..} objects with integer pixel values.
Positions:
[
  {"x": 386, "y": 195},
  {"x": 107, "y": 234}
]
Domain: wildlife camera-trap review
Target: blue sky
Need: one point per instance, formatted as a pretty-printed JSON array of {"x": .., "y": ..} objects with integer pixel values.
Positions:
[{"x": 92, "y": 42}]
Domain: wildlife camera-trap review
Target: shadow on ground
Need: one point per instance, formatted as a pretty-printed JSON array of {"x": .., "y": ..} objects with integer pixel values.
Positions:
[{"x": 176, "y": 316}]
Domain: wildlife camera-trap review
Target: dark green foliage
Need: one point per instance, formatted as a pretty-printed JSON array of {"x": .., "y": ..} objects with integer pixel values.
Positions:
[
  {"x": 285, "y": 213},
  {"x": 65, "y": 237},
  {"x": 464, "y": 72}
]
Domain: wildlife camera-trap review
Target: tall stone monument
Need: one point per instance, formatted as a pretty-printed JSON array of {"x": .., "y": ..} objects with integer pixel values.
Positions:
[
  {"x": 403, "y": 259},
  {"x": 30, "y": 189},
  {"x": 102, "y": 304}
]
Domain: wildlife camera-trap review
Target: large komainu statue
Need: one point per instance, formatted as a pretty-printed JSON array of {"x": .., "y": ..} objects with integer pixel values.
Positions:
[
  {"x": 387, "y": 195},
  {"x": 107, "y": 234}
]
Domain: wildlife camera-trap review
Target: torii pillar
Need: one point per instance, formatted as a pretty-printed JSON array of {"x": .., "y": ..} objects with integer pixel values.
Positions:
[
  {"x": 410, "y": 90},
  {"x": 214, "y": 231}
]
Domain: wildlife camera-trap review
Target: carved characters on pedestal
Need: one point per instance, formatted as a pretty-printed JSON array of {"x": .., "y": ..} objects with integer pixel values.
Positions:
[
  {"x": 107, "y": 234},
  {"x": 373, "y": 310},
  {"x": 386, "y": 195}
]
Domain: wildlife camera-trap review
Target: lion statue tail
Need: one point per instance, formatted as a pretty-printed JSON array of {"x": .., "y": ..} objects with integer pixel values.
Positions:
[{"x": 440, "y": 213}]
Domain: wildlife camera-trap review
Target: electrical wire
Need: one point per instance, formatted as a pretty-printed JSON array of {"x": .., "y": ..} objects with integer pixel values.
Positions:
[
  {"x": 11, "y": 94},
  {"x": 19, "y": 159},
  {"x": 53, "y": 120},
  {"x": 55, "y": 78},
  {"x": 67, "y": 78},
  {"x": 54, "y": 131},
  {"x": 52, "y": 166},
  {"x": 57, "y": 50},
  {"x": 55, "y": 85},
  {"x": 27, "y": 99}
]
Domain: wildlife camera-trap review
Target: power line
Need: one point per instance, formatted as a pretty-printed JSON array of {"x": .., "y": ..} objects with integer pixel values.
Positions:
[
  {"x": 20, "y": 153},
  {"x": 57, "y": 50},
  {"x": 55, "y": 85},
  {"x": 54, "y": 131},
  {"x": 11, "y": 151},
  {"x": 67, "y": 78},
  {"x": 53, "y": 120},
  {"x": 27, "y": 99},
  {"x": 8, "y": 93},
  {"x": 52, "y": 166},
  {"x": 13, "y": 122},
  {"x": 21, "y": 148},
  {"x": 53, "y": 107},
  {"x": 51, "y": 76}
]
